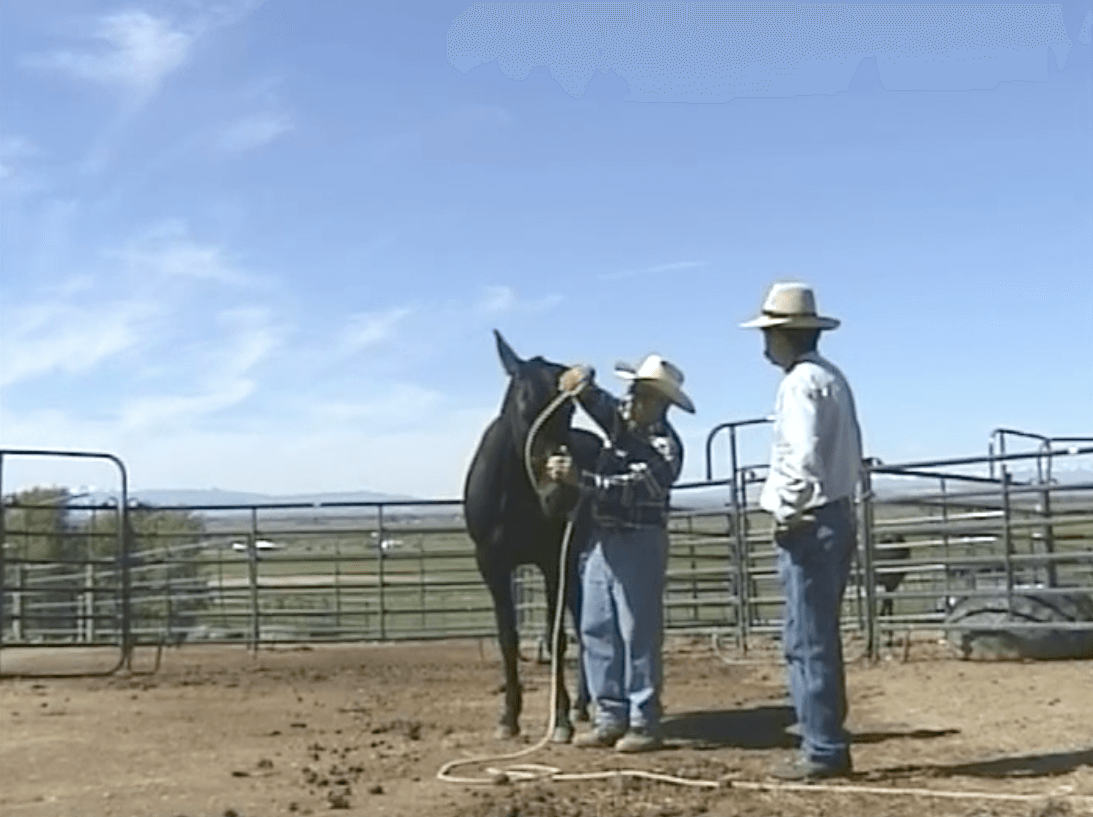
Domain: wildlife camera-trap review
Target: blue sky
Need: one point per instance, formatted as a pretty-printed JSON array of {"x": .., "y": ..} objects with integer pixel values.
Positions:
[{"x": 261, "y": 246}]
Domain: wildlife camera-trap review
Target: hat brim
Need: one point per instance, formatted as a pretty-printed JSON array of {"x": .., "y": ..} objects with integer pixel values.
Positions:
[
  {"x": 674, "y": 394},
  {"x": 791, "y": 322}
]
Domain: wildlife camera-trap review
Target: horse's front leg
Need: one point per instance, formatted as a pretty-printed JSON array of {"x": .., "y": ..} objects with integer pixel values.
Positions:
[{"x": 507, "y": 639}]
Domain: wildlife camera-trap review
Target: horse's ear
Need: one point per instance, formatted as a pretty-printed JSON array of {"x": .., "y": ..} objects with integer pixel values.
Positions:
[{"x": 509, "y": 359}]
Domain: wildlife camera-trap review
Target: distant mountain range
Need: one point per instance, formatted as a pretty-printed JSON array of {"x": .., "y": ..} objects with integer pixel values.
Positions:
[
  {"x": 694, "y": 498},
  {"x": 217, "y": 498}
]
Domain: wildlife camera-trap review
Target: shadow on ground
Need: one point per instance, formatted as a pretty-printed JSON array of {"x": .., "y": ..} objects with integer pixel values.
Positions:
[
  {"x": 763, "y": 727},
  {"x": 1042, "y": 765}
]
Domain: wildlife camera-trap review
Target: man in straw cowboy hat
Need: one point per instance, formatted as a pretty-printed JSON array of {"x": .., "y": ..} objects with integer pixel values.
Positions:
[
  {"x": 625, "y": 558},
  {"x": 814, "y": 470}
]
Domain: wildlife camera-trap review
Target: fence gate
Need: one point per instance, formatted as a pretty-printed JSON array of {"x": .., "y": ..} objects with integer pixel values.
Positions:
[{"x": 64, "y": 575}]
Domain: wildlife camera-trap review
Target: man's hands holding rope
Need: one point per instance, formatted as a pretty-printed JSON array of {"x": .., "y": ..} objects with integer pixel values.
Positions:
[
  {"x": 574, "y": 380},
  {"x": 560, "y": 468}
]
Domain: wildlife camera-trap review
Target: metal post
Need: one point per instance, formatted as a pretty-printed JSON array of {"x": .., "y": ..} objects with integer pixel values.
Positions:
[
  {"x": 3, "y": 554},
  {"x": 125, "y": 541},
  {"x": 380, "y": 574},
  {"x": 87, "y": 631},
  {"x": 17, "y": 632},
  {"x": 1007, "y": 541},
  {"x": 866, "y": 539},
  {"x": 945, "y": 542},
  {"x": 1047, "y": 533},
  {"x": 739, "y": 515},
  {"x": 168, "y": 601},
  {"x": 252, "y": 576},
  {"x": 220, "y": 589},
  {"x": 421, "y": 578},
  {"x": 694, "y": 569},
  {"x": 859, "y": 588},
  {"x": 337, "y": 587}
]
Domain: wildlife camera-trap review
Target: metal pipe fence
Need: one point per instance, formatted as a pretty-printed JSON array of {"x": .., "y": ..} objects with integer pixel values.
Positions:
[{"x": 931, "y": 535}]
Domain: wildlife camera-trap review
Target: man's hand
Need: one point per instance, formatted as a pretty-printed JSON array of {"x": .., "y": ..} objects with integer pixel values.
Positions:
[
  {"x": 576, "y": 378},
  {"x": 559, "y": 467}
]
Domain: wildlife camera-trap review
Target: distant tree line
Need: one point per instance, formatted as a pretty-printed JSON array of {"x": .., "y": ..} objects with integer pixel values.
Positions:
[{"x": 62, "y": 562}]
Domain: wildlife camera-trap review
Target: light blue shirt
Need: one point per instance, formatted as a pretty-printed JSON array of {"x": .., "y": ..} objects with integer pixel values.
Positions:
[{"x": 816, "y": 451}]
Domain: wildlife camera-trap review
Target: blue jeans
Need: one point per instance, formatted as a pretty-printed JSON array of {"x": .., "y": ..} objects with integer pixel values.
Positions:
[
  {"x": 622, "y": 619},
  {"x": 813, "y": 564}
]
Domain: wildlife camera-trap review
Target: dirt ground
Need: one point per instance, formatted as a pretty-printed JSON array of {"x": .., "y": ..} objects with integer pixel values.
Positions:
[{"x": 363, "y": 730}]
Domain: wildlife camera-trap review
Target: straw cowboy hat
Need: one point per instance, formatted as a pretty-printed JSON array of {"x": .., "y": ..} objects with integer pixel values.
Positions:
[
  {"x": 790, "y": 305},
  {"x": 661, "y": 375}
]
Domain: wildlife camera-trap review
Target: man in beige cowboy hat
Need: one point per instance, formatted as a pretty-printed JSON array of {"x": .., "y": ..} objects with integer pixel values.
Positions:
[
  {"x": 625, "y": 558},
  {"x": 814, "y": 470}
]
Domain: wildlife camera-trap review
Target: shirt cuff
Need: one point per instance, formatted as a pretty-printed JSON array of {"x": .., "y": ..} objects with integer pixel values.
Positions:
[{"x": 587, "y": 482}]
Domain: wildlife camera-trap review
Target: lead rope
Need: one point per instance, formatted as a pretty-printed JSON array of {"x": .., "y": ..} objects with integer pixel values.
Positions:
[
  {"x": 529, "y": 771},
  {"x": 521, "y": 772}
]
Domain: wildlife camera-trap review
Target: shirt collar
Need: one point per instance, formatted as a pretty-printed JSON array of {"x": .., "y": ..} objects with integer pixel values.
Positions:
[{"x": 808, "y": 357}]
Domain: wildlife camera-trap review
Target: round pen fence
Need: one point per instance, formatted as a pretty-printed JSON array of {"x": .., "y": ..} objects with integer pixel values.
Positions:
[{"x": 944, "y": 546}]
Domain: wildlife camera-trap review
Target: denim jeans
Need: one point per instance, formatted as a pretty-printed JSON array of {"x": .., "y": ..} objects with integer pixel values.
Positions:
[
  {"x": 622, "y": 620},
  {"x": 813, "y": 564}
]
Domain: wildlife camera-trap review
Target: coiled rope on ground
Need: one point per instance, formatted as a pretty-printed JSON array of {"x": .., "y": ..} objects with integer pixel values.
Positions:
[{"x": 527, "y": 772}]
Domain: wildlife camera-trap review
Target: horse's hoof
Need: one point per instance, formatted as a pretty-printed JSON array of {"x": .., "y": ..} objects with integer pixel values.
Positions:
[
  {"x": 507, "y": 731},
  {"x": 562, "y": 734}
]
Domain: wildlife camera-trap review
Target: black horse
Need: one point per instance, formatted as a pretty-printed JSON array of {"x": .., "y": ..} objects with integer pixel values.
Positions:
[
  {"x": 891, "y": 550},
  {"x": 515, "y": 522}
]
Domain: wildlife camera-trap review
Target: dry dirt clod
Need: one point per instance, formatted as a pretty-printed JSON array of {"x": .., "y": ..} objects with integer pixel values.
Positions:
[{"x": 338, "y": 798}]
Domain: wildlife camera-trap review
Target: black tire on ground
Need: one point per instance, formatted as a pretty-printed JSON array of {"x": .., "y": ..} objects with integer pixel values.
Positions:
[{"x": 987, "y": 629}]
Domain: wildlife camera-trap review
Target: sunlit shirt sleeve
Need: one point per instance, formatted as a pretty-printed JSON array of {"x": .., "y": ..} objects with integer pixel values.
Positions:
[{"x": 816, "y": 448}]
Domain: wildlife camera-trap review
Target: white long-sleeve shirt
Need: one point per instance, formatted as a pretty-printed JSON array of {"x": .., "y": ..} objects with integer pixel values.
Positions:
[{"x": 816, "y": 452}]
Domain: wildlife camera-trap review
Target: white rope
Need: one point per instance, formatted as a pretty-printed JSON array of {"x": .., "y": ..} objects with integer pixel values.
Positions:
[
  {"x": 526, "y": 772},
  {"x": 519, "y": 771}
]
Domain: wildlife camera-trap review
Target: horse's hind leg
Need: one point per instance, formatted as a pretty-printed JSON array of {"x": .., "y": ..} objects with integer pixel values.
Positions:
[{"x": 500, "y": 585}]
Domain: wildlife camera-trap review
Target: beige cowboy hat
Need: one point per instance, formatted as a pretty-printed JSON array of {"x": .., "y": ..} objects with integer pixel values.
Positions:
[
  {"x": 661, "y": 375},
  {"x": 790, "y": 305}
]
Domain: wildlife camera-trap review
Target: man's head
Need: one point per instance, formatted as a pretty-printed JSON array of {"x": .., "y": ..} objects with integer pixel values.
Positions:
[
  {"x": 783, "y": 347},
  {"x": 790, "y": 324},
  {"x": 654, "y": 385}
]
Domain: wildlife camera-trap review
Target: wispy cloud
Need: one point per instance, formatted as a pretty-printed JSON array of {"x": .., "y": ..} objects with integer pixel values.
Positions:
[
  {"x": 497, "y": 299},
  {"x": 500, "y": 299},
  {"x": 60, "y": 337},
  {"x": 675, "y": 266},
  {"x": 20, "y": 160},
  {"x": 368, "y": 329},
  {"x": 14, "y": 150},
  {"x": 168, "y": 250},
  {"x": 247, "y": 339},
  {"x": 147, "y": 413},
  {"x": 252, "y": 337},
  {"x": 131, "y": 51},
  {"x": 393, "y": 405},
  {"x": 252, "y": 132}
]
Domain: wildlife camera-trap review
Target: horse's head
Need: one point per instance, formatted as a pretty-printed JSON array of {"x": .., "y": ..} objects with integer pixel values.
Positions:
[{"x": 533, "y": 384}]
